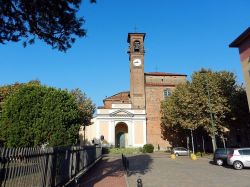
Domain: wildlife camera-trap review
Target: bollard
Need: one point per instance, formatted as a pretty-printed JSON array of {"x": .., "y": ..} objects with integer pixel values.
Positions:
[
  {"x": 193, "y": 157},
  {"x": 139, "y": 182},
  {"x": 172, "y": 156}
]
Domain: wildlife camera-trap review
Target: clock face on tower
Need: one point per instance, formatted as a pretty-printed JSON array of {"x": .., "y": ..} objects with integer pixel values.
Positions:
[{"x": 137, "y": 62}]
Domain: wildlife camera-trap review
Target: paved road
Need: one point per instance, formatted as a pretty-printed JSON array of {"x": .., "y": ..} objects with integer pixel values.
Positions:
[
  {"x": 158, "y": 170},
  {"x": 106, "y": 173}
]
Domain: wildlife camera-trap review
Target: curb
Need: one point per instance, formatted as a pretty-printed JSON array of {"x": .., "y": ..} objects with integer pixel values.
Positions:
[{"x": 126, "y": 179}]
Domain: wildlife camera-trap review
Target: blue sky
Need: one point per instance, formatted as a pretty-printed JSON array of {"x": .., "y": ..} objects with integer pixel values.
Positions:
[{"x": 181, "y": 37}]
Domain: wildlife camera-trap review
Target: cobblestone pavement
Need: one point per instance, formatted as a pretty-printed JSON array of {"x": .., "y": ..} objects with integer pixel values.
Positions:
[
  {"x": 106, "y": 173},
  {"x": 158, "y": 170}
]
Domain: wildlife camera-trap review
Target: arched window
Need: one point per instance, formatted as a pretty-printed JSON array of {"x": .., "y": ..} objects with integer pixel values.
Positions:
[
  {"x": 136, "y": 46},
  {"x": 167, "y": 93}
]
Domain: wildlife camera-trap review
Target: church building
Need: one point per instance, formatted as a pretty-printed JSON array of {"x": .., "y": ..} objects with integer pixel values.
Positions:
[{"x": 132, "y": 118}]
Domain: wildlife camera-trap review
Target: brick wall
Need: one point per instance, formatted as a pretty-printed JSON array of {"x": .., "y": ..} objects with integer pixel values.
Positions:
[{"x": 155, "y": 87}]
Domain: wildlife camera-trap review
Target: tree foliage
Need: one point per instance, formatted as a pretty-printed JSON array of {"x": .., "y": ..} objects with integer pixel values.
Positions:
[
  {"x": 85, "y": 106},
  {"x": 55, "y": 22},
  {"x": 207, "y": 93},
  {"x": 35, "y": 115},
  {"x": 8, "y": 90}
]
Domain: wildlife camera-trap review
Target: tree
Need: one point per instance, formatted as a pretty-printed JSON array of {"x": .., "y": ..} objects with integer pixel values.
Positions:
[
  {"x": 176, "y": 110},
  {"x": 192, "y": 104},
  {"x": 240, "y": 111},
  {"x": 35, "y": 115},
  {"x": 86, "y": 108},
  {"x": 8, "y": 90},
  {"x": 55, "y": 22}
]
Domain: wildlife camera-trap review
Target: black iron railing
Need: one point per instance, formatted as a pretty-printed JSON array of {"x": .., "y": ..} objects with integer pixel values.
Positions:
[{"x": 125, "y": 163}]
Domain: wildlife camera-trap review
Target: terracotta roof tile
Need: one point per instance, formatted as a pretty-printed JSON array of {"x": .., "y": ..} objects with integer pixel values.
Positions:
[
  {"x": 163, "y": 74},
  {"x": 119, "y": 96}
]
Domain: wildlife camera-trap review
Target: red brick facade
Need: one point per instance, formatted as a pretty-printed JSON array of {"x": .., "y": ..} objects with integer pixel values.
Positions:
[{"x": 156, "y": 83}]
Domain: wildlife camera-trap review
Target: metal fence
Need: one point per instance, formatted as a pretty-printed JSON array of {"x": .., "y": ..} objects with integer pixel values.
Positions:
[
  {"x": 125, "y": 163},
  {"x": 36, "y": 167}
]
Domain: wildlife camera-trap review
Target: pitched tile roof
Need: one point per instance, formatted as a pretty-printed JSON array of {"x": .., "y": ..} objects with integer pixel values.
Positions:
[
  {"x": 163, "y": 74},
  {"x": 238, "y": 41},
  {"x": 122, "y": 96}
]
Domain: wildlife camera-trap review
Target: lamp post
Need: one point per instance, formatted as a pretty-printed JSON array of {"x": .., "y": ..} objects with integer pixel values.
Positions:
[{"x": 211, "y": 115}]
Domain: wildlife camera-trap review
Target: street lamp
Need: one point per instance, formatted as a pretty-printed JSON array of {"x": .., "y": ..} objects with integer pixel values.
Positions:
[{"x": 211, "y": 115}]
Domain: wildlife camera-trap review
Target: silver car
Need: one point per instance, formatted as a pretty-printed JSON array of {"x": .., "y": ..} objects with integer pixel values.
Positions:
[
  {"x": 180, "y": 151},
  {"x": 239, "y": 158}
]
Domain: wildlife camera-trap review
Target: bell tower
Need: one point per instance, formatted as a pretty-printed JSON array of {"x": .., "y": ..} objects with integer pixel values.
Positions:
[{"x": 136, "y": 58}]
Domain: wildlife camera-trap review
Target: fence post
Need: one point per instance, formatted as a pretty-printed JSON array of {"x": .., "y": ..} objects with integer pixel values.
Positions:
[
  {"x": 53, "y": 166},
  {"x": 2, "y": 165},
  {"x": 125, "y": 163}
]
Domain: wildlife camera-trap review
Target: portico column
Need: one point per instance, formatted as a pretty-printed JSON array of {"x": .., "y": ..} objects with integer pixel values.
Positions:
[
  {"x": 144, "y": 131},
  {"x": 112, "y": 132},
  {"x": 130, "y": 134}
]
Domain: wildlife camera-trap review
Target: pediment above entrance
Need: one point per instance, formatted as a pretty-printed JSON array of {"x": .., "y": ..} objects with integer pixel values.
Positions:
[{"x": 121, "y": 113}]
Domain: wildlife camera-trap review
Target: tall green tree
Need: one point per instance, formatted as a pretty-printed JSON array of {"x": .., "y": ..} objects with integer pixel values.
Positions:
[
  {"x": 7, "y": 90},
  {"x": 85, "y": 106},
  {"x": 192, "y": 103},
  {"x": 86, "y": 109},
  {"x": 35, "y": 115},
  {"x": 55, "y": 22}
]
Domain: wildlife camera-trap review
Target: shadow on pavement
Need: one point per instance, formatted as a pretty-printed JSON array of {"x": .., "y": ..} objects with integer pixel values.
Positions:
[
  {"x": 224, "y": 165},
  {"x": 107, "y": 167},
  {"x": 212, "y": 162},
  {"x": 139, "y": 164}
]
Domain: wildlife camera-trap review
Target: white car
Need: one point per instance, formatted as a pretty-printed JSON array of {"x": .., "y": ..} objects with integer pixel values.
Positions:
[
  {"x": 239, "y": 158},
  {"x": 178, "y": 151}
]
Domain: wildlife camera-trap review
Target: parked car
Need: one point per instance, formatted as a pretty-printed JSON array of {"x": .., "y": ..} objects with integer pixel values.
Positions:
[
  {"x": 180, "y": 151},
  {"x": 220, "y": 156},
  {"x": 239, "y": 158}
]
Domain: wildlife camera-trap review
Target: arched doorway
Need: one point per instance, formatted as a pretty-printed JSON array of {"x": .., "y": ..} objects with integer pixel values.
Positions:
[{"x": 121, "y": 133}]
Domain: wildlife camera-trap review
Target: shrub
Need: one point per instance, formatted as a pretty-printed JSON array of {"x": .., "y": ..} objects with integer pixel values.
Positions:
[
  {"x": 148, "y": 148},
  {"x": 141, "y": 149},
  {"x": 198, "y": 153},
  {"x": 35, "y": 115},
  {"x": 105, "y": 150}
]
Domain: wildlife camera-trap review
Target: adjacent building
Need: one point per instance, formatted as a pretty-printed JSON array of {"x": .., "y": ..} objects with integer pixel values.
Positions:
[{"x": 243, "y": 44}]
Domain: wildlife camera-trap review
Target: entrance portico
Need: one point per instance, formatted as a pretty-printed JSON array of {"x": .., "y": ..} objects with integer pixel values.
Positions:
[
  {"x": 121, "y": 135},
  {"x": 121, "y": 126}
]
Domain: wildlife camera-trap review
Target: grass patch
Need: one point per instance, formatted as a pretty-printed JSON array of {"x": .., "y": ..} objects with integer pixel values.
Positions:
[{"x": 126, "y": 151}]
